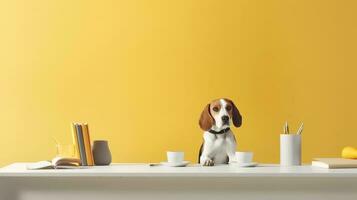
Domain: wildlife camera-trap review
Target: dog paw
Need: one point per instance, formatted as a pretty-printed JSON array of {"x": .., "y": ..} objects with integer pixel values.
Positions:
[{"x": 208, "y": 162}]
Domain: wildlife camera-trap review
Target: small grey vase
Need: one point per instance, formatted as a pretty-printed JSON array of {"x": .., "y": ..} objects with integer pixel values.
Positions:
[{"x": 101, "y": 152}]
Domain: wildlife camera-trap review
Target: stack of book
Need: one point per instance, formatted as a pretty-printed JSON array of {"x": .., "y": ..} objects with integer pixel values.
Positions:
[
  {"x": 81, "y": 141},
  {"x": 334, "y": 163}
]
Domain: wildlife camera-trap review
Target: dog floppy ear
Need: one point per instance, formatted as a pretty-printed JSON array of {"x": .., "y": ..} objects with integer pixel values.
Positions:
[
  {"x": 236, "y": 117},
  {"x": 206, "y": 119}
]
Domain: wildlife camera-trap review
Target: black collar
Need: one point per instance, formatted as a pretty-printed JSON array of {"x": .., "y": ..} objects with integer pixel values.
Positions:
[{"x": 219, "y": 132}]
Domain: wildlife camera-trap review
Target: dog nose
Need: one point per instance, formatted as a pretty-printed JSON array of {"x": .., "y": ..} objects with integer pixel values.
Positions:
[{"x": 225, "y": 118}]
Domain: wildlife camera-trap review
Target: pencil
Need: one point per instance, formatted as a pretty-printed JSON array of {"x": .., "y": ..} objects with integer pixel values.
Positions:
[{"x": 300, "y": 129}]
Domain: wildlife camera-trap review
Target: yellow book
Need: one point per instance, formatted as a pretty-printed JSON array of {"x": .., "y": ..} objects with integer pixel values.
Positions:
[
  {"x": 87, "y": 144},
  {"x": 75, "y": 140}
]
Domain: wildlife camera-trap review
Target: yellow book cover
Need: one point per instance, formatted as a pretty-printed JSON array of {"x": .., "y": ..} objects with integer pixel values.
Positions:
[
  {"x": 87, "y": 144},
  {"x": 74, "y": 140}
]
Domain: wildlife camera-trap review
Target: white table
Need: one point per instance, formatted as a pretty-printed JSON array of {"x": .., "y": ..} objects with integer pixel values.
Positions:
[{"x": 140, "y": 181}]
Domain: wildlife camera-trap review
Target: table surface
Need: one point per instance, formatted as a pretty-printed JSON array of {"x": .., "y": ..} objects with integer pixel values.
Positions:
[{"x": 194, "y": 170}]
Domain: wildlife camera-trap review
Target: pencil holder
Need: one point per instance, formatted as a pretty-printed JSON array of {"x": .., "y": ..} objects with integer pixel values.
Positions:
[{"x": 290, "y": 149}]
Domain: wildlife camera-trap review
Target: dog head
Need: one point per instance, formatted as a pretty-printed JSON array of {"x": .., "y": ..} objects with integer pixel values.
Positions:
[{"x": 219, "y": 114}]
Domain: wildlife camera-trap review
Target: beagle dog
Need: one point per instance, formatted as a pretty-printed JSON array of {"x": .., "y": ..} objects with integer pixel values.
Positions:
[{"x": 219, "y": 143}]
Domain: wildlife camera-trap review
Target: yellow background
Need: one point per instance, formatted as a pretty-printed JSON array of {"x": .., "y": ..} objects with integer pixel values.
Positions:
[{"x": 140, "y": 73}]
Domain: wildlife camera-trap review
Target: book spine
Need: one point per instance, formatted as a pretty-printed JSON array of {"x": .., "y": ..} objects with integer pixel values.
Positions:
[
  {"x": 82, "y": 151},
  {"x": 75, "y": 140},
  {"x": 87, "y": 144}
]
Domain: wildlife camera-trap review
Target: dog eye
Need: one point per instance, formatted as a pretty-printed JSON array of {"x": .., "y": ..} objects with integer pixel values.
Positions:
[
  {"x": 228, "y": 108},
  {"x": 215, "y": 109}
]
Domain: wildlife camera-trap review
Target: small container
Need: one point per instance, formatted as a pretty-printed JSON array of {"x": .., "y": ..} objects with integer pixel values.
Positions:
[
  {"x": 290, "y": 149},
  {"x": 175, "y": 156},
  {"x": 101, "y": 152},
  {"x": 244, "y": 157},
  {"x": 65, "y": 150}
]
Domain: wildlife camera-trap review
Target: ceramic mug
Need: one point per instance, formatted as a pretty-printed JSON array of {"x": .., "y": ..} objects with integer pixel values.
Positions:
[
  {"x": 244, "y": 157},
  {"x": 175, "y": 156}
]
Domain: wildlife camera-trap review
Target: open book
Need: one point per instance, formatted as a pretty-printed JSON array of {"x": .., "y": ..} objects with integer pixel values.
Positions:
[
  {"x": 334, "y": 163},
  {"x": 56, "y": 163}
]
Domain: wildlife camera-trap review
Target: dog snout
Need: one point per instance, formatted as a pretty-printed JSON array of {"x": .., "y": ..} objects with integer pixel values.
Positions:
[{"x": 225, "y": 119}]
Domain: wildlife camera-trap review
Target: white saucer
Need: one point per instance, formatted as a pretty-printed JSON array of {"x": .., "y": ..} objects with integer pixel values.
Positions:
[
  {"x": 170, "y": 164},
  {"x": 251, "y": 164}
]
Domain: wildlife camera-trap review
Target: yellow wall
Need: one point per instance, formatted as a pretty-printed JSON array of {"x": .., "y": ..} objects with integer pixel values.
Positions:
[{"x": 140, "y": 73}]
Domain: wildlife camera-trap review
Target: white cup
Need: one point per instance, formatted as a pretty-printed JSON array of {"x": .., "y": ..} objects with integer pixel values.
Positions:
[
  {"x": 244, "y": 157},
  {"x": 175, "y": 156},
  {"x": 290, "y": 149}
]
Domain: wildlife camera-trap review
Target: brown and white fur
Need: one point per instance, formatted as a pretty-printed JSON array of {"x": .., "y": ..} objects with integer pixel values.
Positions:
[{"x": 217, "y": 117}]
